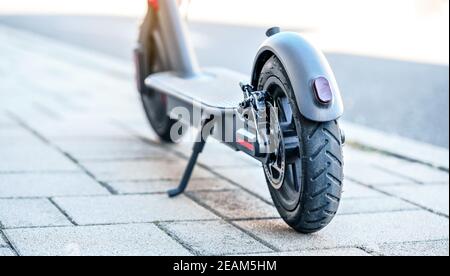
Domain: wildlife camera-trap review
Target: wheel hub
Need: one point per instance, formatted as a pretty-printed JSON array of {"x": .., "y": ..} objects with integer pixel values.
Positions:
[{"x": 275, "y": 168}]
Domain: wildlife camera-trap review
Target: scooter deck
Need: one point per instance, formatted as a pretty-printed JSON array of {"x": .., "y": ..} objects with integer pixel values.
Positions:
[{"x": 216, "y": 88}]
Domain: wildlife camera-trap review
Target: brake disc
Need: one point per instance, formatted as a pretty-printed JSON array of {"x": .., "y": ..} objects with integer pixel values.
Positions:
[{"x": 275, "y": 168}]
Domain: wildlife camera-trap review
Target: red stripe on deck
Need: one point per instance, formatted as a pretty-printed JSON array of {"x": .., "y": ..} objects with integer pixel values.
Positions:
[{"x": 246, "y": 145}]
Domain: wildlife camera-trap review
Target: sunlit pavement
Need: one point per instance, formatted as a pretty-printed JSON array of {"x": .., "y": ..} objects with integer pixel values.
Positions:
[{"x": 81, "y": 173}]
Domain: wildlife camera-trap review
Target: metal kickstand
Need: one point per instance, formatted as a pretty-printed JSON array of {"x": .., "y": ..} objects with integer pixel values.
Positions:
[{"x": 199, "y": 145}]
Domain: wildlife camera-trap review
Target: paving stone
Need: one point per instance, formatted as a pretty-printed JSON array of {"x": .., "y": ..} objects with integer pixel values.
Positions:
[
  {"x": 6, "y": 252},
  {"x": 79, "y": 128},
  {"x": 15, "y": 213},
  {"x": 118, "y": 240},
  {"x": 252, "y": 179},
  {"x": 143, "y": 170},
  {"x": 48, "y": 185},
  {"x": 353, "y": 190},
  {"x": 214, "y": 238},
  {"x": 354, "y": 231},
  {"x": 417, "y": 172},
  {"x": 236, "y": 204},
  {"x": 340, "y": 252},
  {"x": 428, "y": 248},
  {"x": 4, "y": 121},
  {"x": 371, "y": 175},
  {"x": 213, "y": 149},
  {"x": 131, "y": 209},
  {"x": 374, "y": 205},
  {"x": 110, "y": 150},
  {"x": 29, "y": 158},
  {"x": 434, "y": 197},
  {"x": 162, "y": 186},
  {"x": 16, "y": 136}
]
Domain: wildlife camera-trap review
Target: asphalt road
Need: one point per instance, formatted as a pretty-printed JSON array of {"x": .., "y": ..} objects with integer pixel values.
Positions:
[{"x": 406, "y": 98}]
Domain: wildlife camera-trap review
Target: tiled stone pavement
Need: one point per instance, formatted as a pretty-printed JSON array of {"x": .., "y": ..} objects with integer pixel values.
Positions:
[{"x": 81, "y": 173}]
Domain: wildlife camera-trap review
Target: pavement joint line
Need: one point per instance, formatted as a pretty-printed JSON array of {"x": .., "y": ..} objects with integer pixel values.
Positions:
[
  {"x": 176, "y": 239},
  {"x": 119, "y": 159},
  {"x": 69, "y": 218},
  {"x": 400, "y": 198},
  {"x": 368, "y": 250},
  {"x": 229, "y": 221},
  {"x": 36, "y": 172},
  {"x": 108, "y": 224},
  {"x": 160, "y": 180},
  {"x": 105, "y": 185},
  {"x": 399, "y": 175},
  {"x": 367, "y": 148},
  {"x": 241, "y": 187},
  {"x": 115, "y": 195},
  {"x": 46, "y": 111},
  {"x": 376, "y": 253},
  {"x": 67, "y": 155},
  {"x": 163, "y": 193},
  {"x": 253, "y": 219},
  {"x": 380, "y": 212},
  {"x": 9, "y": 244},
  {"x": 321, "y": 249}
]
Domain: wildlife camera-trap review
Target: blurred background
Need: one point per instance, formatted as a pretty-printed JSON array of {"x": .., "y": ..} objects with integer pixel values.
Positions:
[{"x": 391, "y": 57}]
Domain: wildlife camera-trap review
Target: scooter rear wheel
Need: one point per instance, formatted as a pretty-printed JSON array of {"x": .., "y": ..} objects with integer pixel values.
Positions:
[
  {"x": 308, "y": 191},
  {"x": 154, "y": 103}
]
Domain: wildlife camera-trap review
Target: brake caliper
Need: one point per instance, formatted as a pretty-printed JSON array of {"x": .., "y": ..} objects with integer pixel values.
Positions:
[{"x": 261, "y": 120}]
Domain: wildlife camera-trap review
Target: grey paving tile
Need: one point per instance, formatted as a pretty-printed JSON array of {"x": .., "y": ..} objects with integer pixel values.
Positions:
[
  {"x": 30, "y": 158},
  {"x": 48, "y": 185},
  {"x": 370, "y": 175},
  {"x": 4, "y": 121},
  {"x": 17, "y": 136},
  {"x": 252, "y": 179},
  {"x": 161, "y": 186},
  {"x": 354, "y": 231},
  {"x": 415, "y": 171},
  {"x": 6, "y": 252},
  {"x": 374, "y": 205},
  {"x": 214, "y": 238},
  {"x": 434, "y": 197},
  {"x": 79, "y": 128},
  {"x": 143, "y": 170},
  {"x": 236, "y": 204},
  {"x": 110, "y": 150},
  {"x": 353, "y": 190},
  {"x": 15, "y": 213},
  {"x": 341, "y": 252},
  {"x": 131, "y": 209},
  {"x": 117, "y": 240},
  {"x": 428, "y": 248},
  {"x": 228, "y": 157}
]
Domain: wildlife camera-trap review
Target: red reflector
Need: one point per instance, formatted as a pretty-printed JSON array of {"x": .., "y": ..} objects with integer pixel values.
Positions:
[
  {"x": 154, "y": 4},
  {"x": 246, "y": 145},
  {"x": 323, "y": 90}
]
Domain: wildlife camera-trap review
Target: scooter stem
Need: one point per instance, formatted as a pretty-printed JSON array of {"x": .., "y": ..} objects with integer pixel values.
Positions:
[{"x": 176, "y": 40}]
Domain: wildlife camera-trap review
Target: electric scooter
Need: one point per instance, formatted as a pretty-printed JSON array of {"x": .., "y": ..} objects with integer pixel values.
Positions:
[{"x": 286, "y": 117}]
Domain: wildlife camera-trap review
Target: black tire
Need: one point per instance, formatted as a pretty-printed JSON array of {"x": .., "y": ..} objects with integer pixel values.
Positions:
[
  {"x": 154, "y": 103},
  {"x": 317, "y": 171}
]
